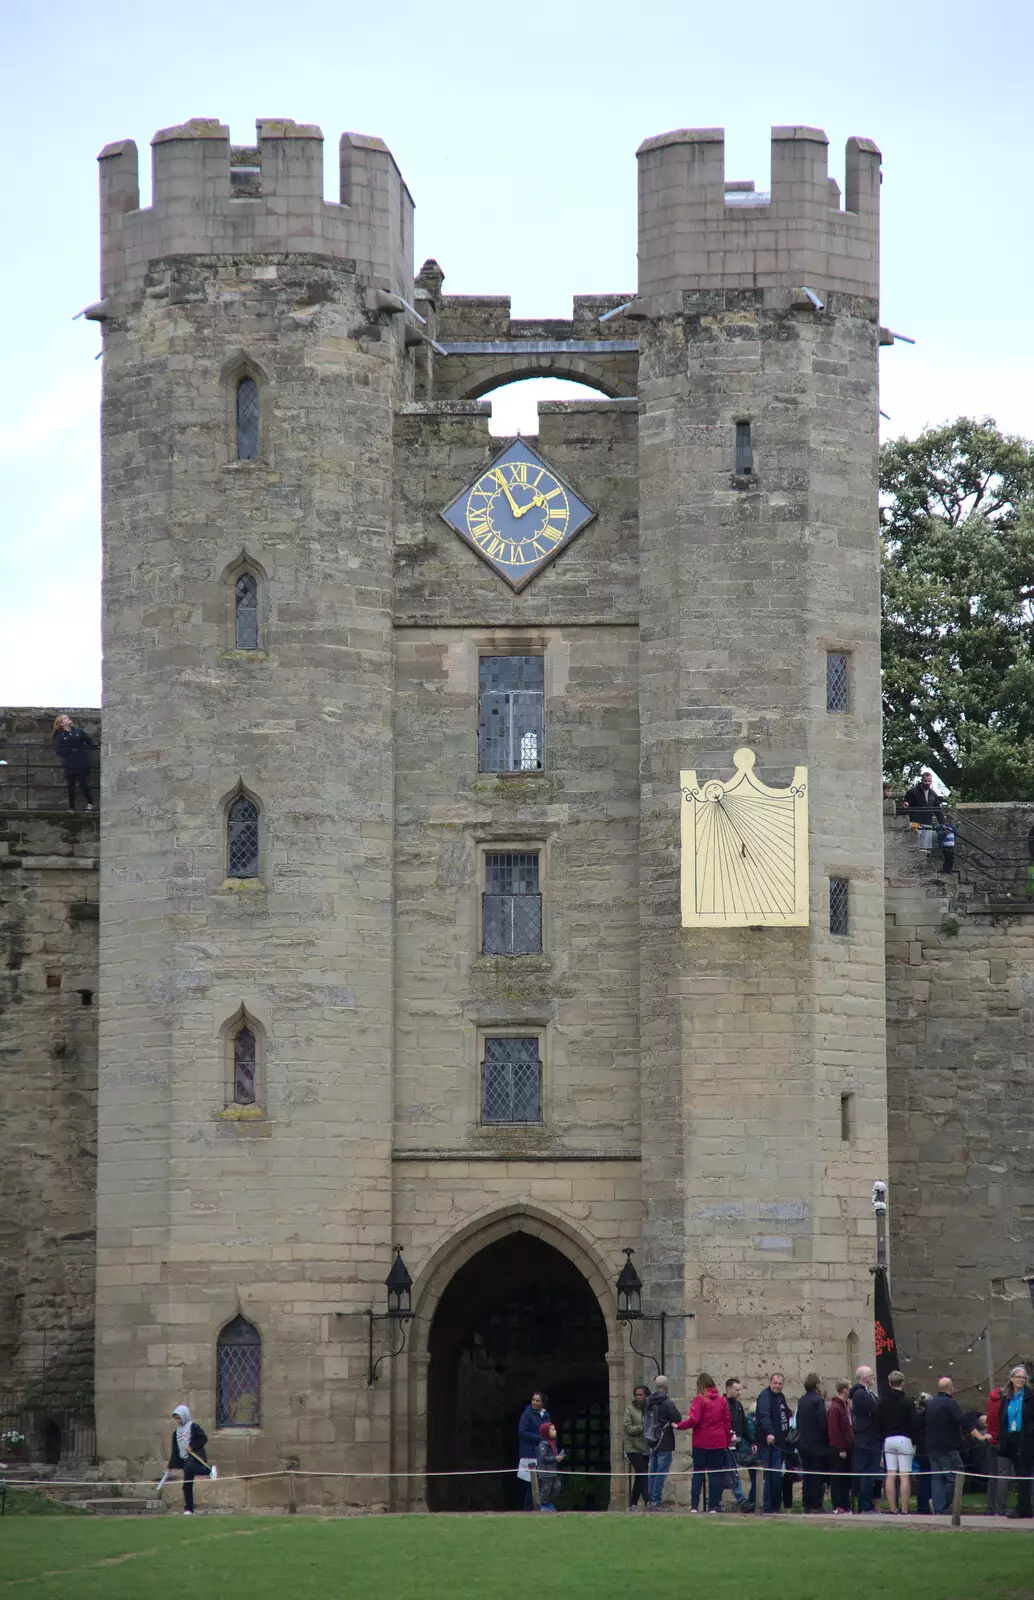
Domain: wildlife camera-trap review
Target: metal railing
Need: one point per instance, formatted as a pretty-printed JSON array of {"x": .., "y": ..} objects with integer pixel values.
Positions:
[
  {"x": 46, "y": 1434},
  {"x": 983, "y": 860}
]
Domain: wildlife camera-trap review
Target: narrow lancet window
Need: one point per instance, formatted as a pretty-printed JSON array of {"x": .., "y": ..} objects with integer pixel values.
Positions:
[
  {"x": 238, "y": 1401},
  {"x": 245, "y": 603},
  {"x": 242, "y": 839},
  {"x": 247, "y": 420},
  {"x": 244, "y": 1067},
  {"x": 744, "y": 450}
]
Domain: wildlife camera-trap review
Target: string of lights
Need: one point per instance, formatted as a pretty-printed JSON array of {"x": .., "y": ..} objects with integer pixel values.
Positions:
[{"x": 964, "y": 1350}]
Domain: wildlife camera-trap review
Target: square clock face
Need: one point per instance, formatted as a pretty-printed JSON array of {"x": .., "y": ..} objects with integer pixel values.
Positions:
[{"x": 518, "y": 514}]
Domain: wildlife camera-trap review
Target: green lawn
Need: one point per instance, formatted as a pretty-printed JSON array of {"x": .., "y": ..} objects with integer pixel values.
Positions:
[{"x": 497, "y": 1558}]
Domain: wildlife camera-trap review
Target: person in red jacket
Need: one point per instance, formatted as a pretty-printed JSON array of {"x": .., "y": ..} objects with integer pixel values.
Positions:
[
  {"x": 997, "y": 1486},
  {"x": 712, "y": 1440},
  {"x": 841, "y": 1438}
]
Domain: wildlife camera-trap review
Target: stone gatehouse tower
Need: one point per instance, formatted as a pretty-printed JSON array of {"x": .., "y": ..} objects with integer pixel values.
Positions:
[{"x": 390, "y": 937}]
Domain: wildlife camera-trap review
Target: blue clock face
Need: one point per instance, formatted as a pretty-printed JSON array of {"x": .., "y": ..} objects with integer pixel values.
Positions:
[{"x": 518, "y": 514}]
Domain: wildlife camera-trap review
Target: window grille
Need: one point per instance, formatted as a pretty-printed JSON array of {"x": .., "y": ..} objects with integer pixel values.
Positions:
[
  {"x": 838, "y": 683},
  {"x": 511, "y": 714},
  {"x": 512, "y": 1081},
  {"x": 245, "y": 605},
  {"x": 839, "y": 905},
  {"x": 247, "y": 420},
  {"x": 242, "y": 839},
  {"x": 511, "y": 914},
  {"x": 239, "y": 1376},
  {"x": 244, "y": 1067},
  {"x": 744, "y": 450}
]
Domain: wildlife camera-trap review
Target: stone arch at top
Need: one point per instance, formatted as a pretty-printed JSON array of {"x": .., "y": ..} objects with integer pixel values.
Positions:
[{"x": 494, "y": 1224}]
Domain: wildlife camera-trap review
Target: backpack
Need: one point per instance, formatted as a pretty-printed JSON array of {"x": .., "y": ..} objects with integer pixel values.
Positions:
[{"x": 653, "y": 1423}]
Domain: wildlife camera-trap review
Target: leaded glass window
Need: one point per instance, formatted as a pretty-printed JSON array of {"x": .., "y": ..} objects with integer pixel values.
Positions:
[
  {"x": 511, "y": 714},
  {"x": 244, "y": 1067},
  {"x": 511, "y": 916},
  {"x": 512, "y": 1081},
  {"x": 239, "y": 1376},
  {"x": 247, "y": 420},
  {"x": 245, "y": 610},
  {"x": 840, "y": 905},
  {"x": 838, "y": 682},
  {"x": 242, "y": 839}
]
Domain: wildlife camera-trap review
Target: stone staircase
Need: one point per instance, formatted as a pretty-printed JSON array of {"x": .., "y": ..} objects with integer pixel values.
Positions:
[{"x": 102, "y": 1502}]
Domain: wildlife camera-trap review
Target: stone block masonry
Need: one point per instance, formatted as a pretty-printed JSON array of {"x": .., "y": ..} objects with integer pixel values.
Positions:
[
  {"x": 48, "y": 1067},
  {"x": 693, "y": 1082},
  {"x": 960, "y": 1010}
]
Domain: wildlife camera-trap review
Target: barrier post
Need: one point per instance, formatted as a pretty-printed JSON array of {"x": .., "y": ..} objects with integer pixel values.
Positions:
[
  {"x": 956, "y": 1499},
  {"x": 292, "y": 1506},
  {"x": 536, "y": 1498}
]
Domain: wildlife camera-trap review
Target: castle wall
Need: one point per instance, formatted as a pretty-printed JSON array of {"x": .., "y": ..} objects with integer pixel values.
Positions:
[
  {"x": 48, "y": 1066},
  {"x": 756, "y": 1210},
  {"x": 960, "y": 1069},
  {"x": 282, "y": 1213},
  {"x": 695, "y": 1080}
]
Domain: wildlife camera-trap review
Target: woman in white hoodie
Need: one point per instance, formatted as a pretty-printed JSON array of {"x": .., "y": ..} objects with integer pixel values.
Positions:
[{"x": 188, "y": 1454}]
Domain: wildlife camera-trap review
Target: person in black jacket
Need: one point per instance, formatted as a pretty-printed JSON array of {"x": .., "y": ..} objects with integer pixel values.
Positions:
[
  {"x": 921, "y": 1464},
  {"x": 73, "y": 748},
  {"x": 528, "y": 1437},
  {"x": 896, "y": 1422},
  {"x": 772, "y": 1423},
  {"x": 744, "y": 1451},
  {"x": 812, "y": 1443},
  {"x": 945, "y": 1426},
  {"x": 925, "y": 806},
  {"x": 659, "y": 1416},
  {"x": 865, "y": 1457},
  {"x": 188, "y": 1455}
]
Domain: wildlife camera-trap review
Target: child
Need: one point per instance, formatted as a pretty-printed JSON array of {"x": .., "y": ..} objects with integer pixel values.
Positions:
[
  {"x": 548, "y": 1456},
  {"x": 188, "y": 1453},
  {"x": 946, "y": 840}
]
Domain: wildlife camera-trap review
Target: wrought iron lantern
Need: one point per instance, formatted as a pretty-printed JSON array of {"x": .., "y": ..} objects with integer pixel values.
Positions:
[
  {"x": 630, "y": 1291},
  {"x": 399, "y": 1286},
  {"x": 400, "y": 1311},
  {"x": 630, "y": 1310}
]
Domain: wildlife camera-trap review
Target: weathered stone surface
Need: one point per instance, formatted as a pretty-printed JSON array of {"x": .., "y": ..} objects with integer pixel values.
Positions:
[
  {"x": 693, "y": 1082},
  {"x": 48, "y": 1066}
]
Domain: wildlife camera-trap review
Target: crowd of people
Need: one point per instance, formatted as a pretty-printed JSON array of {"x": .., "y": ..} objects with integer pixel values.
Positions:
[{"x": 853, "y": 1446}]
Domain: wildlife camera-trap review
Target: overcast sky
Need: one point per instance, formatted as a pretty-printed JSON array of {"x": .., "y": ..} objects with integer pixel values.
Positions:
[{"x": 498, "y": 115}]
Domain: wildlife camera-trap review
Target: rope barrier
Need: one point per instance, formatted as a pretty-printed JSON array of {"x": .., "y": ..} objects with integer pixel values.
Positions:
[{"x": 497, "y": 1472}]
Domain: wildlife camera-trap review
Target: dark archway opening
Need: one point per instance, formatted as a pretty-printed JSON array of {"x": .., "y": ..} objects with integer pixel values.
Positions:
[{"x": 517, "y": 1317}]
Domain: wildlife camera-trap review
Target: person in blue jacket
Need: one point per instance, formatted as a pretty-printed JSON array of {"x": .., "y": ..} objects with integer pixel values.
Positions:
[
  {"x": 772, "y": 1421},
  {"x": 529, "y": 1435}
]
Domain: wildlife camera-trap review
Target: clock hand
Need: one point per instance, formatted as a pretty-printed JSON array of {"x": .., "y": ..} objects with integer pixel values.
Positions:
[
  {"x": 505, "y": 487},
  {"x": 537, "y": 500}
]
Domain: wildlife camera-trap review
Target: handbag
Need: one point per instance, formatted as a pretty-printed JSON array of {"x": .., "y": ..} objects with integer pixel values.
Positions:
[{"x": 524, "y": 1467}]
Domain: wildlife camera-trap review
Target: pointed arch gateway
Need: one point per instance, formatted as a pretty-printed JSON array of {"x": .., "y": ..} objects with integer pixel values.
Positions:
[{"x": 516, "y": 1300}]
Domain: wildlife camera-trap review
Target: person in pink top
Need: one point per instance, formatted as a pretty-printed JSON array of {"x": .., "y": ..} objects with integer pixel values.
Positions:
[{"x": 712, "y": 1441}]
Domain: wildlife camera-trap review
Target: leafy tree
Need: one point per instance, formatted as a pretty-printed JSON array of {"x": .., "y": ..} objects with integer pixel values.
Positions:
[{"x": 957, "y": 522}]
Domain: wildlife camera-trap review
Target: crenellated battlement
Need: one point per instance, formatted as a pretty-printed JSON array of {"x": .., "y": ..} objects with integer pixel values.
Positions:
[
  {"x": 698, "y": 231},
  {"x": 211, "y": 198}
]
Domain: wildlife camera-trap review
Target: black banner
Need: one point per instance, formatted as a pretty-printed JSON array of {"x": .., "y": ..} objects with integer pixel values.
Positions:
[{"x": 886, "y": 1344}]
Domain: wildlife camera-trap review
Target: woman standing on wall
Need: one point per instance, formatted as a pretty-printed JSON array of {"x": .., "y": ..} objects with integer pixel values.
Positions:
[
  {"x": 188, "y": 1454},
  {"x": 73, "y": 748}
]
